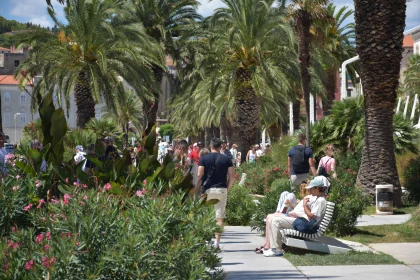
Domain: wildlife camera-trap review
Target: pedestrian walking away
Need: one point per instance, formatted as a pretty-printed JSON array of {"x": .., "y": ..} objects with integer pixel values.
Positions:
[
  {"x": 213, "y": 171},
  {"x": 300, "y": 160}
]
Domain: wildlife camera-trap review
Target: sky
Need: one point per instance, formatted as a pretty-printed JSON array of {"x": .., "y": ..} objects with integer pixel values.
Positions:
[{"x": 35, "y": 11}]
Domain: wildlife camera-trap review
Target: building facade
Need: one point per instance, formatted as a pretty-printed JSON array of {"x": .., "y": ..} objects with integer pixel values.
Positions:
[{"x": 10, "y": 59}]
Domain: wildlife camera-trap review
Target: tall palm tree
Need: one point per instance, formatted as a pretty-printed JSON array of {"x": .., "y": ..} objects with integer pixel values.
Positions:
[
  {"x": 338, "y": 46},
  {"x": 91, "y": 53},
  {"x": 169, "y": 23},
  {"x": 246, "y": 61},
  {"x": 379, "y": 37},
  {"x": 304, "y": 12},
  {"x": 412, "y": 75},
  {"x": 128, "y": 109}
]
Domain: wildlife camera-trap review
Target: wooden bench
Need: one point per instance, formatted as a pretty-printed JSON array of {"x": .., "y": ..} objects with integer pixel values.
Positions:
[{"x": 294, "y": 238}]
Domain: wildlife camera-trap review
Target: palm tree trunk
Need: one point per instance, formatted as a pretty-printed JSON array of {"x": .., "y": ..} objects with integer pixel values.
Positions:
[
  {"x": 229, "y": 132},
  {"x": 275, "y": 132},
  {"x": 223, "y": 127},
  {"x": 379, "y": 36},
  {"x": 207, "y": 137},
  {"x": 150, "y": 108},
  {"x": 330, "y": 86},
  {"x": 84, "y": 99},
  {"x": 303, "y": 27},
  {"x": 248, "y": 107},
  {"x": 296, "y": 114}
]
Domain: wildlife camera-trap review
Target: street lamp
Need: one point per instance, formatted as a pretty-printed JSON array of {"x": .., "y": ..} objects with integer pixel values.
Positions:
[{"x": 17, "y": 114}]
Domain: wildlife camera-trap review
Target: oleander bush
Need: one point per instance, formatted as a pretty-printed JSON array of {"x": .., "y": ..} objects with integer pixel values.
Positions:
[
  {"x": 412, "y": 181},
  {"x": 95, "y": 235},
  {"x": 349, "y": 199},
  {"x": 240, "y": 206}
]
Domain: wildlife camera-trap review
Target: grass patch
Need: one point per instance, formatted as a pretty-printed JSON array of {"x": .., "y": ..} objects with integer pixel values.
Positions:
[
  {"x": 408, "y": 232},
  {"x": 351, "y": 258}
]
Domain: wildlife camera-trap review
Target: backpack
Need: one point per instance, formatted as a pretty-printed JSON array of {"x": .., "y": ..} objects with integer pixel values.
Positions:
[
  {"x": 300, "y": 164},
  {"x": 322, "y": 170}
]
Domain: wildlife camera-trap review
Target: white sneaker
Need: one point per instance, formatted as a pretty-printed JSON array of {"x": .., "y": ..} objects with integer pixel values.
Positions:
[{"x": 272, "y": 253}]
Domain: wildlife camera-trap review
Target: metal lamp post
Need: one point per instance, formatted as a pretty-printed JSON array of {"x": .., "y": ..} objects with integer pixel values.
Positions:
[{"x": 17, "y": 114}]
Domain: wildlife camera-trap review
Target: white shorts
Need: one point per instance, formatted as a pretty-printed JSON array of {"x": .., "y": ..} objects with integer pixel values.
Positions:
[{"x": 221, "y": 195}]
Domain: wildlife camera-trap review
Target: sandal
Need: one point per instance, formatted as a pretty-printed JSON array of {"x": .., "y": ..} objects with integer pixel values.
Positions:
[
  {"x": 260, "y": 251},
  {"x": 259, "y": 248}
]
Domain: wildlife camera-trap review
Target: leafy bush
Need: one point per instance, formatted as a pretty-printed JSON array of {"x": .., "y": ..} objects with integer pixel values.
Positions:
[
  {"x": 412, "y": 180},
  {"x": 267, "y": 205},
  {"x": 255, "y": 177},
  {"x": 274, "y": 174},
  {"x": 240, "y": 206},
  {"x": 349, "y": 200},
  {"x": 90, "y": 235}
]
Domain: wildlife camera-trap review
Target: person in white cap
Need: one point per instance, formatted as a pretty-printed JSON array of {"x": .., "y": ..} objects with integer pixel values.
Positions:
[{"x": 308, "y": 209}]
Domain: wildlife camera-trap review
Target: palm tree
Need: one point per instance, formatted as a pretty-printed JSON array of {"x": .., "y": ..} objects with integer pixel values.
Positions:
[
  {"x": 304, "y": 13},
  {"x": 379, "y": 38},
  {"x": 128, "y": 110},
  {"x": 338, "y": 46},
  {"x": 169, "y": 23},
  {"x": 412, "y": 75},
  {"x": 91, "y": 54},
  {"x": 245, "y": 65}
]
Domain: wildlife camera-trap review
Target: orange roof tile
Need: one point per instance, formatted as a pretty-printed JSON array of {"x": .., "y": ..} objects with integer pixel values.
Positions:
[
  {"x": 8, "y": 80},
  {"x": 408, "y": 41},
  {"x": 4, "y": 49}
]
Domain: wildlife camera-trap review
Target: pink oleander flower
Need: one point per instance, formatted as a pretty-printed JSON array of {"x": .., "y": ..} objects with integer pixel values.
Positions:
[
  {"x": 40, "y": 202},
  {"x": 153, "y": 253},
  {"x": 84, "y": 186},
  {"x": 48, "y": 235},
  {"x": 48, "y": 262},
  {"x": 37, "y": 183},
  {"x": 44, "y": 219},
  {"x": 17, "y": 177},
  {"x": 28, "y": 207},
  {"x": 6, "y": 266},
  {"x": 85, "y": 197},
  {"x": 13, "y": 229},
  {"x": 15, "y": 188},
  {"x": 78, "y": 244},
  {"x": 54, "y": 201},
  {"x": 66, "y": 199},
  {"x": 144, "y": 182},
  {"x": 46, "y": 247},
  {"x": 122, "y": 202},
  {"x": 140, "y": 193},
  {"x": 82, "y": 203},
  {"x": 275, "y": 168},
  {"x": 67, "y": 180},
  {"x": 107, "y": 187},
  {"x": 39, "y": 238},
  {"x": 29, "y": 265},
  {"x": 76, "y": 184}
]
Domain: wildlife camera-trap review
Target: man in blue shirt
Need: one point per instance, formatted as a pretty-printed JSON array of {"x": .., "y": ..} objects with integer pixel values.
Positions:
[
  {"x": 300, "y": 160},
  {"x": 213, "y": 171}
]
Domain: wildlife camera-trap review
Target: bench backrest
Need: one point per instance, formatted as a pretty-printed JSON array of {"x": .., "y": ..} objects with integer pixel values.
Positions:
[{"x": 327, "y": 218}]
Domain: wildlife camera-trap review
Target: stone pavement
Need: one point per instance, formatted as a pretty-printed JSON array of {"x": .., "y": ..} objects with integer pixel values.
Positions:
[
  {"x": 240, "y": 262},
  {"x": 401, "y": 251},
  {"x": 377, "y": 220}
]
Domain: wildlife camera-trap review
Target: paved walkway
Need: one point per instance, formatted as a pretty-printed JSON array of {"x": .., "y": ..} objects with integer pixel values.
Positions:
[
  {"x": 240, "y": 262},
  {"x": 377, "y": 220}
]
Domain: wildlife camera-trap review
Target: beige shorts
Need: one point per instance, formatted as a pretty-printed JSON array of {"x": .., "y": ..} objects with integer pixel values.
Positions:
[
  {"x": 298, "y": 179},
  {"x": 221, "y": 195}
]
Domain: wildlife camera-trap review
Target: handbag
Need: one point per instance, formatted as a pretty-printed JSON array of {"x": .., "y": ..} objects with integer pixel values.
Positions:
[{"x": 303, "y": 225}]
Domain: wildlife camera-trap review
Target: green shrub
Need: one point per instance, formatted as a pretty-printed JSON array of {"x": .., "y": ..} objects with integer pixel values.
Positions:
[
  {"x": 267, "y": 205},
  {"x": 90, "y": 235},
  {"x": 274, "y": 174},
  {"x": 279, "y": 151},
  {"x": 279, "y": 182},
  {"x": 412, "y": 180},
  {"x": 240, "y": 206},
  {"x": 349, "y": 200},
  {"x": 255, "y": 177}
]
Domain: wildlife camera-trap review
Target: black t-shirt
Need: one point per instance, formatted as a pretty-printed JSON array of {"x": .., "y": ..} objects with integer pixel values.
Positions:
[
  {"x": 218, "y": 178},
  {"x": 111, "y": 153}
]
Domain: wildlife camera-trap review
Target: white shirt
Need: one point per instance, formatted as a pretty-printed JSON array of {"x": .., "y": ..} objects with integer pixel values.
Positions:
[
  {"x": 318, "y": 206},
  {"x": 79, "y": 157},
  {"x": 259, "y": 153}
]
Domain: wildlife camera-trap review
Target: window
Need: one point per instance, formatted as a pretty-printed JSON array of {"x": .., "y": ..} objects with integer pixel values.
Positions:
[
  {"x": 6, "y": 118},
  {"x": 349, "y": 92},
  {"x": 98, "y": 116},
  {"x": 6, "y": 97},
  {"x": 22, "y": 97},
  {"x": 17, "y": 63},
  {"x": 22, "y": 117}
]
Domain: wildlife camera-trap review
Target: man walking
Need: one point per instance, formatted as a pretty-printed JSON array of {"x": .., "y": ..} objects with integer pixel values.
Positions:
[
  {"x": 225, "y": 151},
  {"x": 213, "y": 171},
  {"x": 299, "y": 162}
]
